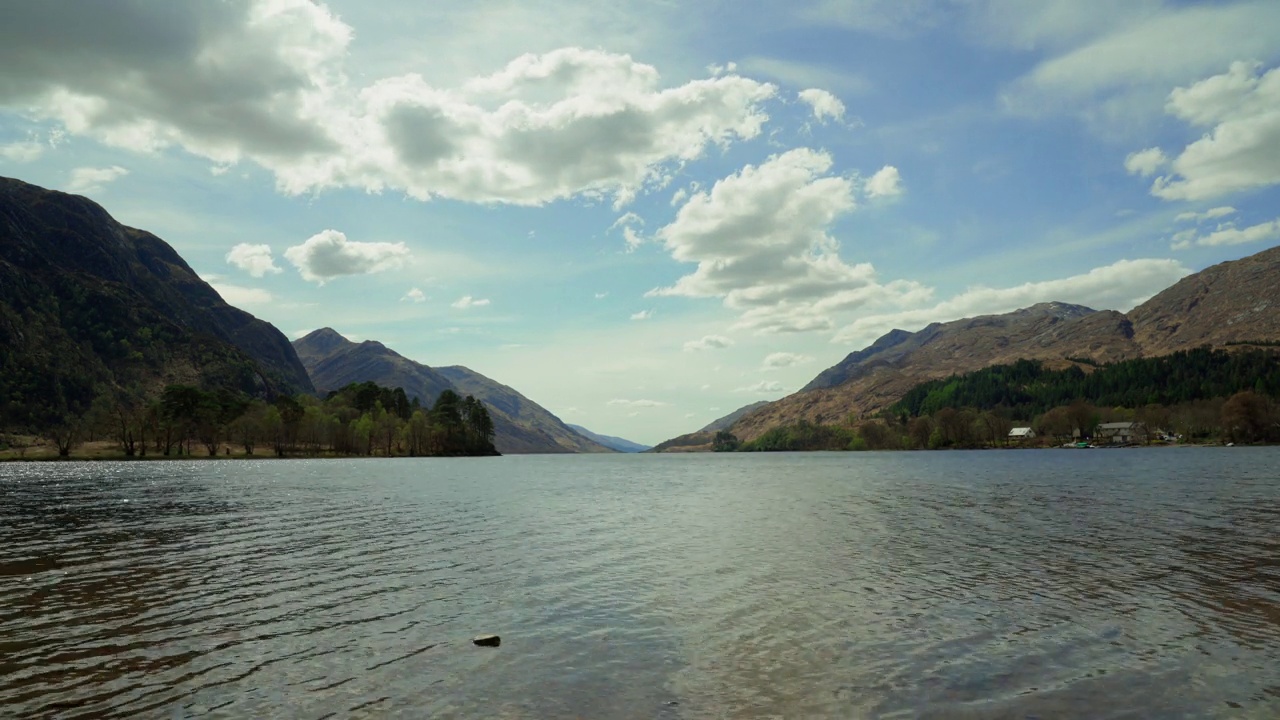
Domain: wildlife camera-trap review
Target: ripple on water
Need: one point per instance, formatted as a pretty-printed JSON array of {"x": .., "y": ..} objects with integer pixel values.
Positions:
[{"x": 984, "y": 585}]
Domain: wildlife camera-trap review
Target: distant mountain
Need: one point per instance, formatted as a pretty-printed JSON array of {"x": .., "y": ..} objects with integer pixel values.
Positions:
[
  {"x": 609, "y": 441},
  {"x": 1230, "y": 303},
  {"x": 700, "y": 440},
  {"x": 522, "y": 426},
  {"x": 88, "y": 305}
]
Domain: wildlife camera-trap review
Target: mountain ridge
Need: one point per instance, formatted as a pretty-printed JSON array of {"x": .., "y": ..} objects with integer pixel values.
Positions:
[{"x": 522, "y": 426}]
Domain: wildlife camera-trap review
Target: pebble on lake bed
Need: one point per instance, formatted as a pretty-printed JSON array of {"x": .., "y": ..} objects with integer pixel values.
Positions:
[{"x": 487, "y": 640}]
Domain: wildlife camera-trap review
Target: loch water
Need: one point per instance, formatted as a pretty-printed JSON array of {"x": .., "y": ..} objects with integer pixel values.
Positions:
[{"x": 1130, "y": 583}]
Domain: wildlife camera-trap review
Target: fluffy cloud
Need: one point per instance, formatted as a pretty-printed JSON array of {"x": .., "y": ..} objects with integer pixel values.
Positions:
[
  {"x": 1242, "y": 150},
  {"x": 760, "y": 240},
  {"x": 886, "y": 183},
  {"x": 266, "y": 81},
  {"x": 466, "y": 301},
  {"x": 253, "y": 259},
  {"x": 766, "y": 387},
  {"x": 780, "y": 360},
  {"x": 20, "y": 152},
  {"x": 414, "y": 295},
  {"x": 1145, "y": 162},
  {"x": 91, "y": 179},
  {"x": 708, "y": 342},
  {"x": 1209, "y": 214},
  {"x": 327, "y": 255},
  {"x": 636, "y": 403},
  {"x": 825, "y": 106},
  {"x": 642, "y": 315},
  {"x": 1118, "y": 286},
  {"x": 630, "y": 235},
  {"x": 1228, "y": 234}
]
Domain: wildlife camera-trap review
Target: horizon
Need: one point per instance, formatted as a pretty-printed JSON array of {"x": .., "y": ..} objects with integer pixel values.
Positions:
[{"x": 644, "y": 218}]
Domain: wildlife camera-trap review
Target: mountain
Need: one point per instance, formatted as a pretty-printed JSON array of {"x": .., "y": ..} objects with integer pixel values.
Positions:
[
  {"x": 89, "y": 305},
  {"x": 522, "y": 426},
  {"x": 616, "y": 443},
  {"x": 700, "y": 440},
  {"x": 1230, "y": 303}
]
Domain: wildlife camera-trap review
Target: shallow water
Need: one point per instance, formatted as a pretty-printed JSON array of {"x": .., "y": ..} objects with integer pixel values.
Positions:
[{"x": 1105, "y": 584}]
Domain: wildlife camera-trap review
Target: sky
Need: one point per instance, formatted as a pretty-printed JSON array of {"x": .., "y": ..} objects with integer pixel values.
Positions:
[{"x": 645, "y": 215}]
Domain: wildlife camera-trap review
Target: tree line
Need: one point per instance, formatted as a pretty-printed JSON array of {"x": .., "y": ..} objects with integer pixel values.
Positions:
[
  {"x": 1199, "y": 395},
  {"x": 359, "y": 419}
]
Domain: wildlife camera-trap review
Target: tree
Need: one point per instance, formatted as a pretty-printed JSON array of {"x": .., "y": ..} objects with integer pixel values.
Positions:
[
  {"x": 1245, "y": 417},
  {"x": 725, "y": 441}
]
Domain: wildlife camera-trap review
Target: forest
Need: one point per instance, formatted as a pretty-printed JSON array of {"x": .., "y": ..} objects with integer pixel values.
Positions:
[
  {"x": 1194, "y": 396},
  {"x": 362, "y": 419}
]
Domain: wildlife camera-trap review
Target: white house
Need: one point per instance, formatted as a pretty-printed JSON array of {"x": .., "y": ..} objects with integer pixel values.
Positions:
[{"x": 1022, "y": 433}]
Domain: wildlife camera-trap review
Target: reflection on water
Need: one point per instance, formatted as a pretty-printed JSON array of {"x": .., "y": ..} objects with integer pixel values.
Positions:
[{"x": 1125, "y": 583}]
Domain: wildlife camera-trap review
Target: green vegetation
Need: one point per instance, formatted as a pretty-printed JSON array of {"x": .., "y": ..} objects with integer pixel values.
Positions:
[
  {"x": 1200, "y": 395},
  {"x": 360, "y": 419}
]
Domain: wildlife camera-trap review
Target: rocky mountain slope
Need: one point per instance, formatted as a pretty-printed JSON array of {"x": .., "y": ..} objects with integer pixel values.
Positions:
[
  {"x": 88, "y": 305},
  {"x": 701, "y": 440},
  {"x": 522, "y": 426},
  {"x": 1231, "y": 302},
  {"x": 610, "y": 441}
]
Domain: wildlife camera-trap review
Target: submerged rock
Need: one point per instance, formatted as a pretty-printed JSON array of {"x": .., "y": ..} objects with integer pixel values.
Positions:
[{"x": 487, "y": 640}]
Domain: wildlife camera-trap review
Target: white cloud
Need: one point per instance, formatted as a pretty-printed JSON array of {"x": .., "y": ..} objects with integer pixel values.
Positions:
[
  {"x": 886, "y": 183},
  {"x": 760, "y": 240},
  {"x": 1209, "y": 214},
  {"x": 240, "y": 296},
  {"x": 466, "y": 301},
  {"x": 253, "y": 259},
  {"x": 268, "y": 81},
  {"x": 766, "y": 387},
  {"x": 602, "y": 295},
  {"x": 1119, "y": 286},
  {"x": 328, "y": 254},
  {"x": 708, "y": 342},
  {"x": 825, "y": 106},
  {"x": 1128, "y": 49},
  {"x": 780, "y": 360},
  {"x": 636, "y": 403},
  {"x": 642, "y": 315},
  {"x": 91, "y": 179},
  {"x": 1228, "y": 234},
  {"x": 22, "y": 151},
  {"x": 1145, "y": 162},
  {"x": 1242, "y": 149},
  {"x": 414, "y": 295},
  {"x": 628, "y": 223},
  {"x": 807, "y": 74}
]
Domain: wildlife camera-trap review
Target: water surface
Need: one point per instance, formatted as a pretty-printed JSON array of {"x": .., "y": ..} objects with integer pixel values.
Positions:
[{"x": 1105, "y": 584}]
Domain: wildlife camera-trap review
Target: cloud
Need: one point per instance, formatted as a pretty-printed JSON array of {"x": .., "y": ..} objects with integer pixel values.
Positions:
[
  {"x": 1209, "y": 214},
  {"x": 238, "y": 295},
  {"x": 1228, "y": 234},
  {"x": 1119, "y": 286},
  {"x": 22, "y": 151},
  {"x": 268, "y": 81},
  {"x": 1241, "y": 151},
  {"x": 708, "y": 342},
  {"x": 1145, "y": 162},
  {"x": 780, "y": 360},
  {"x": 762, "y": 387},
  {"x": 636, "y": 403},
  {"x": 253, "y": 259},
  {"x": 886, "y": 183},
  {"x": 825, "y": 106},
  {"x": 806, "y": 74},
  {"x": 761, "y": 243},
  {"x": 466, "y": 301},
  {"x": 328, "y": 254},
  {"x": 90, "y": 179},
  {"x": 414, "y": 295},
  {"x": 1129, "y": 49},
  {"x": 602, "y": 295},
  {"x": 628, "y": 223},
  {"x": 642, "y": 315}
]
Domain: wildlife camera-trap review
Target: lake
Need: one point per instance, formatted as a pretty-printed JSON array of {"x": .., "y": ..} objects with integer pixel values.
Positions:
[{"x": 1135, "y": 583}]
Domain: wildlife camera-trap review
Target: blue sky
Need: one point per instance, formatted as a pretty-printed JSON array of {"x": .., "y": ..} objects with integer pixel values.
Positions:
[{"x": 644, "y": 215}]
